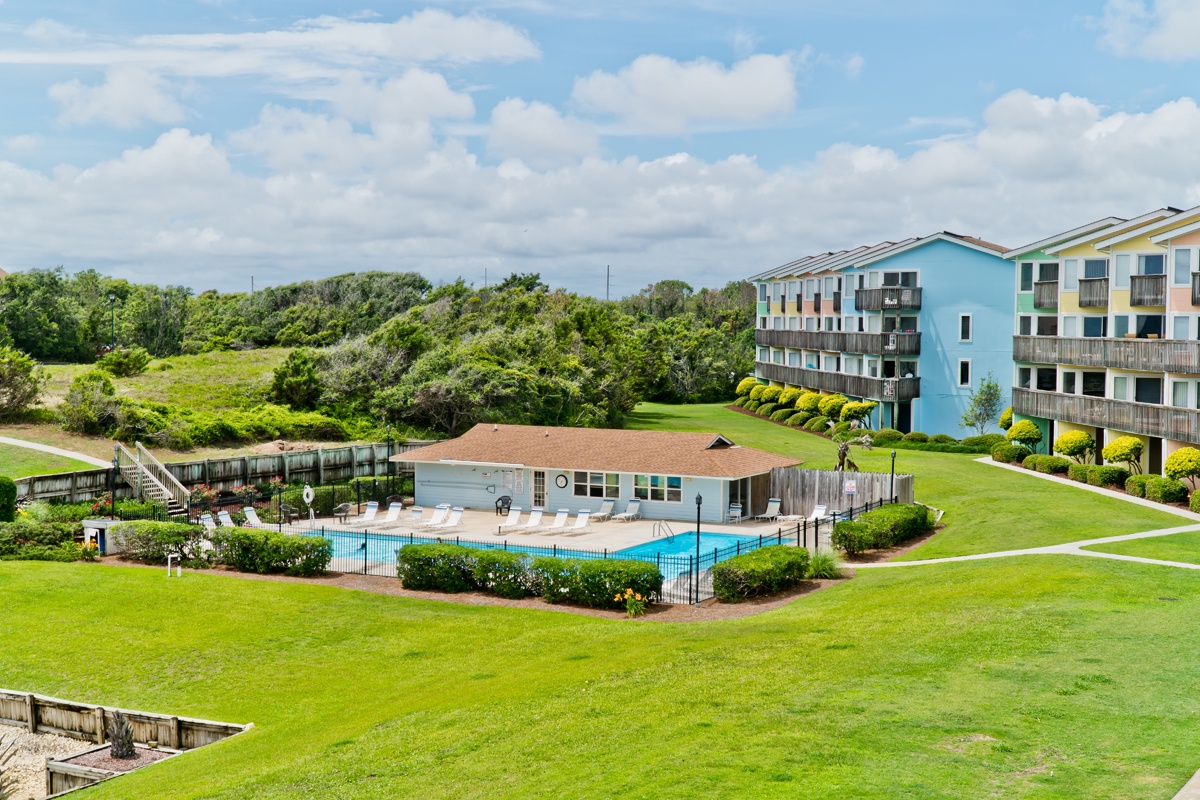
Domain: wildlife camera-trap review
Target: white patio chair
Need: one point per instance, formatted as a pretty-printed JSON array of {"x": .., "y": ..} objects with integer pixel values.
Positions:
[
  {"x": 633, "y": 510},
  {"x": 393, "y": 516},
  {"x": 439, "y": 516},
  {"x": 207, "y": 521},
  {"x": 819, "y": 512},
  {"x": 605, "y": 512},
  {"x": 559, "y": 523},
  {"x": 252, "y": 519},
  {"x": 532, "y": 524},
  {"x": 734, "y": 515},
  {"x": 452, "y": 521},
  {"x": 583, "y": 524},
  {"x": 772, "y": 512},
  {"x": 416, "y": 513},
  {"x": 511, "y": 521},
  {"x": 226, "y": 520},
  {"x": 367, "y": 516}
]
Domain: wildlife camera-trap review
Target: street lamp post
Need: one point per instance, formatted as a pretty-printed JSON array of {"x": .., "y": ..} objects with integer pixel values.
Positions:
[
  {"x": 391, "y": 488},
  {"x": 112, "y": 495},
  {"x": 893, "y": 492},
  {"x": 699, "y": 501},
  {"x": 112, "y": 315}
]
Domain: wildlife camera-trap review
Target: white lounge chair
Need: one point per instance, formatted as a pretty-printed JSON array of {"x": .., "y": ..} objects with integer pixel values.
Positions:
[
  {"x": 510, "y": 522},
  {"x": 252, "y": 520},
  {"x": 583, "y": 523},
  {"x": 368, "y": 515},
  {"x": 559, "y": 523},
  {"x": 207, "y": 521},
  {"x": 417, "y": 512},
  {"x": 393, "y": 516},
  {"x": 605, "y": 512},
  {"x": 226, "y": 520},
  {"x": 452, "y": 521},
  {"x": 819, "y": 512},
  {"x": 772, "y": 512},
  {"x": 734, "y": 514},
  {"x": 632, "y": 511},
  {"x": 532, "y": 524},
  {"x": 439, "y": 516}
]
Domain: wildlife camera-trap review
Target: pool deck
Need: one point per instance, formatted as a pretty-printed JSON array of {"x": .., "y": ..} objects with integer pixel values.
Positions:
[{"x": 481, "y": 525}]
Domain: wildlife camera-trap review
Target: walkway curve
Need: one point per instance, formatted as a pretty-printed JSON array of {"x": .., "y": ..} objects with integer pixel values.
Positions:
[{"x": 56, "y": 451}]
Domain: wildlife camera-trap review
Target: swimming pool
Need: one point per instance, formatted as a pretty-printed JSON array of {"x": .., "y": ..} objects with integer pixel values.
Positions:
[{"x": 684, "y": 544}]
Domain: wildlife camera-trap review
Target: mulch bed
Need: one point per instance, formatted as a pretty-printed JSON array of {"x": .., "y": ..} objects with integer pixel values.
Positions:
[
  {"x": 889, "y": 553},
  {"x": 740, "y": 410},
  {"x": 103, "y": 759}
]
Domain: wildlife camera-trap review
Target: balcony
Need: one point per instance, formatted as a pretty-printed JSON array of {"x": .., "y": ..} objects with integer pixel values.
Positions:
[
  {"x": 817, "y": 303},
  {"x": 875, "y": 344},
  {"x": 1196, "y": 288},
  {"x": 1147, "y": 290},
  {"x": 888, "y": 298},
  {"x": 1166, "y": 422},
  {"x": 887, "y": 390},
  {"x": 1151, "y": 355},
  {"x": 1093, "y": 292},
  {"x": 1045, "y": 294}
]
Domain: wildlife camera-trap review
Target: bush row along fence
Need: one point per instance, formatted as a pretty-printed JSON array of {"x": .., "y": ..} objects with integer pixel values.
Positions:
[
  {"x": 323, "y": 465},
  {"x": 801, "y": 490},
  {"x": 38, "y": 714},
  {"x": 686, "y": 578}
]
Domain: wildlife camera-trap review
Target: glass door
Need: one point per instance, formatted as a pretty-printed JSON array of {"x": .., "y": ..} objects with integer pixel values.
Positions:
[{"x": 539, "y": 489}]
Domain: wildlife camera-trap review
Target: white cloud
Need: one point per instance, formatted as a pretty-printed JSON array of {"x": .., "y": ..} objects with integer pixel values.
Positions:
[
  {"x": 23, "y": 144},
  {"x": 1164, "y": 30},
  {"x": 661, "y": 95},
  {"x": 48, "y": 31},
  {"x": 854, "y": 66},
  {"x": 538, "y": 134},
  {"x": 128, "y": 97}
]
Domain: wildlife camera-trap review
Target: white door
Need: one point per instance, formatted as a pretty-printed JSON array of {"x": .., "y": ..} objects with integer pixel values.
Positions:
[{"x": 539, "y": 489}]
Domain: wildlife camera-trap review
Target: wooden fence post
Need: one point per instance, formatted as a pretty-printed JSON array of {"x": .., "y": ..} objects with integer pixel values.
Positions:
[
  {"x": 320, "y": 466},
  {"x": 99, "y": 725},
  {"x": 31, "y": 708},
  {"x": 174, "y": 740},
  {"x": 286, "y": 472}
]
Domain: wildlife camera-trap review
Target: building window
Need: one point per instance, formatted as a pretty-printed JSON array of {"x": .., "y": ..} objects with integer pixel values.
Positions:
[
  {"x": 810, "y": 289},
  {"x": 1095, "y": 268},
  {"x": 964, "y": 372},
  {"x": 1024, "y": 325},
  {"x": 1179, "y": 393},
  {"x": 762, "y": 323},
  {"x": 1093, "y": 384},
  {"x": 810, "y": 323},
  {"x": 1183, "y": 267},
  {"x": 1120, "y": 388},
  {"x": 833, "y": 363},
  {"x": 1070, "y": 326},
  {"x": 873, "y": 368},
  {"x": 1149, "y": 326},
  {"x": 597, "y": 484},
  {"x": 1068, "y": 383},
  {"x": 777, "y": 323},
  {"x": 776, "y": 291},
  {"x": 762, "y": 293},
  {"x": 1070, "y": 275},
  {"x": 1121, "y": 325},
  {"x": 793, "y": 359},
  {"x": 905, "y": 279},
  {"x": 964, "y": 327},
  {"x": 1095, "y": 326},
  {"x": 665, "y": 488},
  {"x": 1048, "y": 271},
  {"x": 1121, "y": 272},
  {"x": 777, "y": 356},
  {"x": 1047, "y": 326},
  {"x": 1180, "y": 327},
  {"x": 830, "y": 325},
  {"x": 1023, "y": 377},
  {"x": 1026, "y": 277},
  {"x": 1151, "y": 264},
  {"x": 764, "y": 354},
  {"x": 1148, "y": 390},
  {"x": 1047, "y": 379},
  {"x": 793, "y": 323}
]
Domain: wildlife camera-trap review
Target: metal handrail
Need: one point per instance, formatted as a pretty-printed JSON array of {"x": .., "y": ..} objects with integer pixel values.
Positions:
[
  {"x": 163, "y": 476},
  {"x": 661, "y": 528}
]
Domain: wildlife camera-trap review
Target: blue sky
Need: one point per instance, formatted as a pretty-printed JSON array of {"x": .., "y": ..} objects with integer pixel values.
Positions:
[{"x": 200, "y": 143}]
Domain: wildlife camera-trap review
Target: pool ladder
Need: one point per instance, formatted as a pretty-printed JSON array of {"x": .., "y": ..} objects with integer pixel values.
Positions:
[{"x": 661, "y": 529}]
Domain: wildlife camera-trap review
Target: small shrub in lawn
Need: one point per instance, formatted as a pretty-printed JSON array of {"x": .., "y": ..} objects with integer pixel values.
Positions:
[
  {"x": 1125, "y": 450},
  {"x": 818, "y": 424},
  {"x": 799, "y": 419},
  {"x": 884, "y": 435},
  {"x": 1107, "y": 476},
  {"x": 1008, "y": 453},
  {"x": 1025, "y": 433},
  {"x": 745, "y": 385},
  {"x": 824, "y": 566},
  {"x": 440, "y": 567},
  {"x": 916, "y": 436},
  {"x": 1075, "y": 444},
  {"x": 988, "y": 440},
  {"x": 1031, "y": 461},
  {"x": 884, "y": 527},
  {"x": 756, "y": 392},
  {"x": 1166, "y": 490},
  {"x": 1136, "y": 485},
  {"x": 503, "y": 572},
  {"x": 752, "y": 405},
  {"x": 27, "y": 540},
  {"x": 760, "y": 572},
  {"x": 771, "y": 394},
  {"x": 808, "y": 401},
  {"x": 942, "y": 438},
  {"x": 841, "y": 427},
  {"x": 788, "y": 397},
  {"x": 151, "y": 542},
  {"x": 766, "y": 409},
  {"x": 782, "y": 414},
  {"x": 1078, "y": 472},
  {"x": 853, "y": 538},
  {"x": 266, "y": 552},
  {"x": 8, "y": 499},
  {"x": 125, "y": 363},
  {"x": 1183, "y": 464},
  {"x": 594, "y": 583},
  {"x": 741, "y": 401},
  {"x": 1053, "y": 465},
  {"x": 1194, "y": 502}
]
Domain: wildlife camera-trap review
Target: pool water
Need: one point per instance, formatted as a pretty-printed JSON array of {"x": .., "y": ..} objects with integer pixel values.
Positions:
[{"x": 684, "y": 544}]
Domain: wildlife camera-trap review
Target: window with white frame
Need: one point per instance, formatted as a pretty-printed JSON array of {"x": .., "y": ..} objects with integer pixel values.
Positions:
[
  {"x": 964, "y": 327},
  {"x": 1120, "y": 387},
  {"x": 1024, "y": 377},
  {"x": 777, "y": 323},
  {"x": 764, "y": 354},
  {"x": 1070, "y": 326},
  {"x": 1151, "y": 264},
  {"x": 1095, "y": 268},
  {"x": 762, "y": 323},
  {"x": 1181, "y": 327},
  {"x": 1179, "y": 393},
  {"x": 810, "y": 288},
  {"x": 793, "y": 323},
  {"x": 1026, "y": 284},
  {"x": 1120, "y": 326},
  {"x": 762, "y": 293},
  {"x": 964, "y": 372},
  {"x": 776, "y": 291},
  {"x": 1025, "y": 325},
  {"x": 830, "y": 324},
  {"x": 852, "y": 365},
  {"x": 793, "y": 359},
  {"x": 810, "y": 323},
  {"x": 1121, "y": 270},
  {"x": 793, "y": 288},
  {"x": 1095, "y": 327},
  {"x": 1070, "y": 275},
  {"x": 663, "y": 488},
  {"x": 777, "y": 356},
  {"x": 597, "y": 484},
  {"x": 1070, "y": 380},
  {"x": 832, "y": 363},
  {"x": 873, "y": 368},
  {"x": 1182, "y": 274},
  {"x": 810, "y": 361}
]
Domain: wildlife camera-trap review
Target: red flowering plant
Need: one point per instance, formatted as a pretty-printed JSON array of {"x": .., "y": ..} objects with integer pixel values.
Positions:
[
  {"x": 102, "y": 502},
  {"x": 203, "y": 495}
]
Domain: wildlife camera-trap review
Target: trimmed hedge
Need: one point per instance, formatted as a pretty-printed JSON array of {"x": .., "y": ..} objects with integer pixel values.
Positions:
[
  {"x": 503, "y": 573},
  {"x": 818, "y": 424},
  {"x": 745, "y": 385},
  {"x": 1166, "y": 490},
  {"x": 752, "y": 405},
  {"x": 1078, "y": 472},
  {"x": 26, "y": 540},
  {"x": 1136, "y": 485},
  {"x": 1107, "y": 476},
  {"x": 1194, "y": 502},
  {"x": 1008, "y": 453},
  {"x": 8, "y": 499},
  {"x": 766, "y": 409},
  {"x": 799, "y": 419},
  {"x": 1054, "y": 465},
  {"x": 756, "y": 392},
  {"x": 884, "y": 527},
  {"x": 808, "y": 401},
  {"x": 988, "y": 440},
  {"x": 594, "y": 583},
  {"x": 440, "y": 567},
  {"x": 782, "y": 414},
  {"x": 916, "y": 436},
  {"x": 1031, "y": 461},
  {"x": 771, "y": 394},
  {"x": 741, "y": 401},
  {"x": 151, "y": 542},
  {"x": 265, "y": 552},
  {"x": 760, "y": 572},
  {"x": 788, "y": 397},
  {"x": 884, "y": 435},
  {"x": 942, "y": 438}
]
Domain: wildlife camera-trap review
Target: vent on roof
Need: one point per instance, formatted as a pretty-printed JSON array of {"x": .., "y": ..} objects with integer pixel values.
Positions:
[{"x": 720, "y": 441}]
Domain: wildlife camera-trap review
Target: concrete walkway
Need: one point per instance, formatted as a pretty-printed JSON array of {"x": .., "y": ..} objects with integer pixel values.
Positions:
[{"x": 55, "y": 451}]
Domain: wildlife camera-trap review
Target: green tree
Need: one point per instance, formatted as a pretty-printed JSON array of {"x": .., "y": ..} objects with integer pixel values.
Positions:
[
  {"x": 982, "y": 406},
  {"x": 1075, "y": 444},
  {"x": 1183, "y": 464},
  {"x": 296, "y": 382},
  {"x": 125, "y": 362},
  {"x": 1006, "y": 419},
  {"x": 1025, "y": 433},
  {"x": 1125, "y": 450},
  {"x": 525, "y": 282},
  {"x": 21, "y": 382},
  {"x": 8, "y": 499}
]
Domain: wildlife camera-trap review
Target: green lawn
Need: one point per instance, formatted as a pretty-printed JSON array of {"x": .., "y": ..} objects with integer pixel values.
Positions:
[
  {"x": 1057, "y": 677},
  {"x": 1183, "y": 547},
  {"x": 987, "y": 508},
  {"x": 18, "y": 462}
]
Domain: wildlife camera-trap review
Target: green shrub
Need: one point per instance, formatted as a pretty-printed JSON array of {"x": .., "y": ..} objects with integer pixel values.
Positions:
[
  {"x": 788, "y": 397},
  {"x": 831, "y": 405},
  {"x": 151, "y": 542},
  {"x": 1136, "y": 485},
  {"x": 751, "y": 405},
  {"x": 1107, "y": 476},
  {"x": 942, "y": 438},
  {"x": 988, "y": 440},
  {"x": 1026, "y": 434},
  {"x": 884, "y": 527},
  {"x": 265, "y": 552},
  {"x": 439, "y": 567},
  {"x": 770, "y": 394},
  {"x": 21, "y": 381},
  {"x": 8, "y": 499},
  {"x": 1125, "y": 450},
  {"x": 766, "y": 409},
  {"x": 1008, "y": 453},
  {"x": 1166, "y": 490},
  {"x": 1075, "y": 444},
  {"x": 841, "y": 427},
  {"x": 90, "y": 405},
  {"x": 808, "y": 401},
  {"x": 885, "y": 435},
  {"x": 1053, "y": 465},
  {"x": 818, "y": 424},
  {"x": 1194, "y": 502},
  {"x": 756, "y": 392},
  {"x": 782, "y": 414},
  {"x": 916, "y": 436},
  {"x": 797, "y": 419},
  {"x": 1078, "y": 472},
  {"x": 824, "y": 565},
  {"x": 593, "y": 583},
  {"x": 745, "y": 385},
  {"x": 853, "y": 538},
  {"x": 27, "y": 540},
  {"x": 741, "y": 401},
  {"x": 126, "y": 362},
  {"x": 760, "y": 572},
  {"x": 1006, "y": 419},
  {"x": 858, "y": 411},
  {"x": 1183, "y": 464},
  {"x": 502, "y": 572},
  {"x": 1031, "y": 461}
]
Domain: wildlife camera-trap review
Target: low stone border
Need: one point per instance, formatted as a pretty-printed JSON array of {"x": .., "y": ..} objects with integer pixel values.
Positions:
[{"x": 1141, "y": 501}]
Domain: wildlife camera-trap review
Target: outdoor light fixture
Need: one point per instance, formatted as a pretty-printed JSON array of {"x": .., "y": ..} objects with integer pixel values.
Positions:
[
  {"x": 893, "y": 492},
  {"x": 112, "y": 310},
  {"x": 699, "y": 501}
]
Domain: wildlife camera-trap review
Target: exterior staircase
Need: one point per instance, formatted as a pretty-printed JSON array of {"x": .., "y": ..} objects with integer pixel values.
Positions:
[{"x": 151, "y": 480}]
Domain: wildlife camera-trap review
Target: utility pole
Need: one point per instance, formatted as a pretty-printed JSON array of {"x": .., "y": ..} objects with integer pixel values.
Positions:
[
  {"x": 607, "y": 280},
  {"x": 251, "y": 284},
  {"x": 485, "y": 277}
]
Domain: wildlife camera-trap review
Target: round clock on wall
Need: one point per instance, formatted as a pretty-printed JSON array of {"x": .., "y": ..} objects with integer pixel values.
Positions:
[{"x": 561, "y": 481}]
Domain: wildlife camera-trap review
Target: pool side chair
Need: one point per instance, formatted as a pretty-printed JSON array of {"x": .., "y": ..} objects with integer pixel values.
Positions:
[
  {"x": 559, "y": 524},
  {"x": 393, "y": 516},
  {"x": 368, "y": 515},
  {"x": 252, "y": 520},
  {"x": 734, "y": 515},
  {"x": 453, "y": 521},
  {"x": 583, "y": 524},
  {"x": 415, "y": 514},
  {"x": 226, "y": 520},
  {"x": 605, "y": 512},
  {"x": 532, "y": 524},
  {"x": 819, "y": 512},
  {"x": 207, "y": 521},
  {"x": 632, "y": 511},
  {"x": 510, "y": 522},
  {"x": 439, "y": 516},
  {"x": 772, "y": 512}
]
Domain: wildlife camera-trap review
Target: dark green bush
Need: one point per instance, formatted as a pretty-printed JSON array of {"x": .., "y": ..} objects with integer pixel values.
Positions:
[
  {"x": 27, "y": 540},
  {"x": 766, "y": 409},
  {"x": 799, "y": 419},
  {"x": 853, "y": 538},
  {"x": 818, "y": 424},
  {"x": 916, "y": 436},
  {"x": 752, "y": 405},
  {"x": 884, "y": 435},
  {"x": 125, "y": 362},
  {"x": 1078, "y": 472},
  {"x": 988, "y": 440},
  {"x": 265, "y": 552},
  {"x": 1165, "y": 490},
  {"x": 841, "y": 427},
  {"x": 8, "y": 499},
  {"x": 1054, "y": 465},
  {"x": 741, "y": 401},
  {"x": 1136, "y": 485},
  {"x": 1031, "y": 461},
  {"x": 502, "y": 572},
  {"x": 152, "y": 542},
  {"x": 1008, "y": 453},
  {"x": 593, "y": 583},
  {"x": 942, "y": 438},
  {"x": 440, "y": 567},
  {"x": 884, "y": 527},
  {"x": 764, "y": 571},
  {"x": 782, "y": 414},
  {"x": 1107, "y": 476}
]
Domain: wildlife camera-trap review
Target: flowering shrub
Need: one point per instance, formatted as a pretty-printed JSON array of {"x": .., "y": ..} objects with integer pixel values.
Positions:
[
  {"x": 635, "y": 604},
  {"x": 246, "y": 493},
  {"x": 103, "y": 502},
  {"x": 204, "y": 495}
]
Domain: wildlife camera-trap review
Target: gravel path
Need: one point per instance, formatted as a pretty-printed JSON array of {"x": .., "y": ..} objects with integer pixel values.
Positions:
[{"x": 29, "y": 764}]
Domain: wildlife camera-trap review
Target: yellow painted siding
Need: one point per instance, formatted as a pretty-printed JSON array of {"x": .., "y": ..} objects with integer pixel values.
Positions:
[
  {"x": 1118, "y": 301},
  {"x": 1083, "y": 251},
  {"x": 1068, "y": 303},
  {"x": 1140, "y": 245}
]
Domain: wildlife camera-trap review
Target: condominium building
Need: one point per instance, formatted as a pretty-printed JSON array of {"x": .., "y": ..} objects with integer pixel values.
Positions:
[
  {"x": 914, "y": 325},
  {"x": 1106, "y": 328}
]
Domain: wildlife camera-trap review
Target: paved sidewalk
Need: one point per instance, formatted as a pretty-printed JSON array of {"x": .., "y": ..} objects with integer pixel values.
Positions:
[{"x": 56, "y": 451}]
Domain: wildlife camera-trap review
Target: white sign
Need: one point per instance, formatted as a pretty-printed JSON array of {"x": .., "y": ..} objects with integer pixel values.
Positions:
[
  {"x": 520, "y": 489},
  {"x": 851, "y": 487},
  {"x": 506, "y": 480}
]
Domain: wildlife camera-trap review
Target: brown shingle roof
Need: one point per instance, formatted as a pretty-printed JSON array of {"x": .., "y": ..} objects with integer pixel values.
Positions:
[{"x": 701, "y": 455}]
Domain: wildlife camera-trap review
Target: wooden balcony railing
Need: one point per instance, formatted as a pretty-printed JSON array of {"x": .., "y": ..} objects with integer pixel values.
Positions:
[
  {"x": 817, "y": 303},
  {"x": 888, "y": 298},
  {"x": 1155, "y": 355},
  {"x": 1045, "y": 294},
  {"x": 884, "y": 389},
  {"x": 1147, "y": 290},
  {"x": 876, "y": 344},
  {"x": 1093, "y": 292},
  {"x": 1168, "y": 422}
]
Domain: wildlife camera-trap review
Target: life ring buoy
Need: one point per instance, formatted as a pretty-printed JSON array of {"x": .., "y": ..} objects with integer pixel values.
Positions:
[{"x": 308, "y": 495}]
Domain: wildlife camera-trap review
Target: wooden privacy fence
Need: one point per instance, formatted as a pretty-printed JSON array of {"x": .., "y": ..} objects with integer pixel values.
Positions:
[
  {"x": 38, "y": 714},
  {"x": 323, "y": 465},
  {"x": 800, "y": 490}
]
